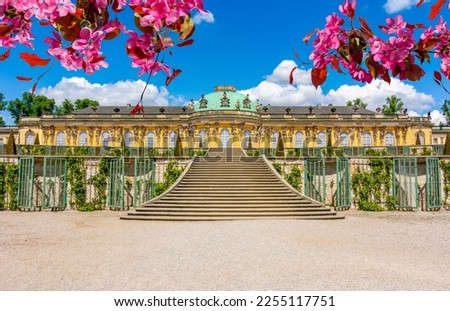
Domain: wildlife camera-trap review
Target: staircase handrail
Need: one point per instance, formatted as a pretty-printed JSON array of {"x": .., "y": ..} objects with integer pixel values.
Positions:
[{"x": 274, "y": 171}]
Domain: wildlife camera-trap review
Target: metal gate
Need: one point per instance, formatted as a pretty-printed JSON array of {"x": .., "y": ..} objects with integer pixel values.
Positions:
[
  {"x": 433, "y": 184},
  {"x": 25, "y": 183},
  {"x": 54, "y": 183},
  {"x": 144, "y": 180},
  {"x": 405, "y": 188},
  {"x": 315, "y": 179},
  {"x": 343, "y": 194},
  {"x": 116, "y": 183}
]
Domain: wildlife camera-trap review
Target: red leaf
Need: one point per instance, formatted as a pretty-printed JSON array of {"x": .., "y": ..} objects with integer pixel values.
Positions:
[
  {"x": 436, "y": 8},
  {"x": 33, "y": 59},
  {"x": 365, "y": 26},
  {"x": 335, "y": 64},
  {"x": 291, "y": 76},
  {"x": 415, "y": 73},
  {"x": 308, "y": 36},
  {"x": 33, "y": 89},
  {"x": 175, "y": 73},
  {"x": 296, "y": 54},
  {"x": 45, "y": 23},
  {"x": 5, "y": 55},
  {"x": 22, "y": 78},
  {"x": 318, "y": 76},
  {"x": 184, "y": 43},
  {"x": 420, "y": 3},
  {"x": 437, "y": 76},
  {"x": 4, "y": 29}
]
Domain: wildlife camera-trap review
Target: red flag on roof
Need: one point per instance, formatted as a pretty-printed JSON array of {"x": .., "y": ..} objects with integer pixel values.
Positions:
[{"x": 138, "y": 108}]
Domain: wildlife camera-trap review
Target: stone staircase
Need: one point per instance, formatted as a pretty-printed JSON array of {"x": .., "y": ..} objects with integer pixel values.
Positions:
[{"x": 224, "y": 187}]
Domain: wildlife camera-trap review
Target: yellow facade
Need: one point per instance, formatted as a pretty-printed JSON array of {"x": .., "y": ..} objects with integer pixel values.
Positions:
[{"x": 300, "y": 127}]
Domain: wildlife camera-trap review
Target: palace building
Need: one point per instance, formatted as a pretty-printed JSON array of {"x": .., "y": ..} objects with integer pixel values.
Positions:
[{"x": 226, "y": 118}]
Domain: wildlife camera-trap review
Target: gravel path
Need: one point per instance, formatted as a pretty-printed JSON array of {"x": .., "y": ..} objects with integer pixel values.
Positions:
[{"x": 98, "y": 251}]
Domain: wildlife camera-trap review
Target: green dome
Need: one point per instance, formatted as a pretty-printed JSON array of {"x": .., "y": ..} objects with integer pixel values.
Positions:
[{"x": 224, "y": 98}]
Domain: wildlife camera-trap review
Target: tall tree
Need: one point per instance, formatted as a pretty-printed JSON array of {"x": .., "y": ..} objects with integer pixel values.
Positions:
[
  {"x": 446, "y": 110},
  {"x": 30, "y": 106},
  {"x": 66, "y": 107},
  {"x": 84, "y": 103},
  {"x": 357, "y": 103},
  {"x": 2, "y": 106},
  {"x": 393, "y": 105}
]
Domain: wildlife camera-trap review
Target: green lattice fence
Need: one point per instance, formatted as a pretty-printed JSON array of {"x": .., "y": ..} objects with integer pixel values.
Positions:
[
  {"x": 404, "y": 183},
  {"x": 144, "y": 180},
  {"x": 116, "y": 183},
  {"x": 343, "y": 188},
  {"x": 314, "y": 179},
  {"x": 25, "y": 183},
  {"x": 433, "y": 184},
  {"x": 54, "y": 183}
]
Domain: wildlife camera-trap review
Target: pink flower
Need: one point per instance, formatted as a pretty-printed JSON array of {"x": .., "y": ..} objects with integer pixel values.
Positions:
[
  {"x": 395, "y": 25},
  {"x": 348, "y": 8}
]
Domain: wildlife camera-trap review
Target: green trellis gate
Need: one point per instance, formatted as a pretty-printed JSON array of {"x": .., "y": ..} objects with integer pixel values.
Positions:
[
  {"x": 343, "y": 192},
  {"x": 25, "y": 183},
  {"x": 405, "y": 188},
  {"x": 116, "y": 183},
  {"x": 144, "y": 180},
  {"x": 433, "y": 184},
  {"x": 54, "y": 183},
  {"x": 314, "y": 179}
]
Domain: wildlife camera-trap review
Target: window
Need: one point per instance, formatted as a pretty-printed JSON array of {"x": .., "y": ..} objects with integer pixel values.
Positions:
[
  {"x": 389, "y": 139},
  {"x": 106, "y": 138},
  {"x": 127, "y": 137},
  {"x": 150, "y": 140},
  {"x": 299, "y": 140},
  {"x": 247, "y": 138},
  {"x": 224, "y": 137},
  {"x": 29, "y": 139},
  {"x": 82, "y": 139},
  {"x": 321, "y": 139},
  {"x": 60, "y": 139},
  {"x": 275, "y": 139},
  {"x": 367, "y": 139},
  {"x": 172, "y": 139},
  {"x": 421, "y": 138},
  {"x": 202, "y": 137},
  {"x": 343, "y": 139}
]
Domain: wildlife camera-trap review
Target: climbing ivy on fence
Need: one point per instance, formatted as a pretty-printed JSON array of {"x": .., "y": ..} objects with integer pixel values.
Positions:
[
  {"x": 445, "y": 166},
  {"x": 294, "y": 177},
  {"x": 76, "y": 175},
  {"x": 8, "y": 185},
  {"x": 172, "y": 173},
  {"x": 371, "y": 188},
  {"x": 99, "y": 181}
]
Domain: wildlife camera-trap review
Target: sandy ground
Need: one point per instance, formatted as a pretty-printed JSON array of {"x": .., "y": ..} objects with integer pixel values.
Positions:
[{"x": 98, "y": 251}]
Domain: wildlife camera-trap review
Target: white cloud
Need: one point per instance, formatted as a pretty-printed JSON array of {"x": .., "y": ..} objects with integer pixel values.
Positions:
[
  {"x": 394, "y": 6},
  {"x": 203, "y": 17},
  {"x": 375, "y": 94},
  {"x": 110, "y": 94},
  {"x": 276, "y": 90}
]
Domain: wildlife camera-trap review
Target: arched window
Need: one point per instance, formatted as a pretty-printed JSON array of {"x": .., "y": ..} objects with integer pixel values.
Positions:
[
  {"x": 247, "y": 138},
  {"x": 83, "y": 139},
  {"x": 224, "y": 137},
  {"x": 389, "y": 139},
  {"x": 321, "y": 139},
  {"x": 202, "y": 137},
  {"x": 275, "y": 139},
  {"x": 127, "y": 137},
  {"x": 172, "y": 139},
  {"x": 106, "y": 139},
  {"x": 299, "y": 140},
  {"x": 367, "y": 139},
  {"x": 150, "y": 140},
  {"x": 29, "y": 138},
  {"x": 421, "y": 138},
  {"x": 343, "y": 139},
  {"x": 60, "y": 139}
]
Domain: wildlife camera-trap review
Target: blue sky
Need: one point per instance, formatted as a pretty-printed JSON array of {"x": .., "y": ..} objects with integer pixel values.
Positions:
[{"x": 248, "y": 44}]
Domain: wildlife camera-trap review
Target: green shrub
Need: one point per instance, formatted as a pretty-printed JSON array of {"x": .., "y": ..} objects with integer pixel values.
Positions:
[{"x": 370, "y": 206}]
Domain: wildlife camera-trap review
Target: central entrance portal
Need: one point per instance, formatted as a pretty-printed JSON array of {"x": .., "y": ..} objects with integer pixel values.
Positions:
[{"x": 225, "y": 138}]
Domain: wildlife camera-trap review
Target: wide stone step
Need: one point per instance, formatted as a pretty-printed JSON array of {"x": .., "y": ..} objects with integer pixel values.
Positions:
[
  {"x": 280, "y": 201},
  {"x": 230, "y": 192},
  {"x": 219, "y": 196},
  {"x": 228, "y": 214},
  {"x": 229, "y": 218},
  {"x": 234, "y": 209},
  {"x": 230, "y": 205}
]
